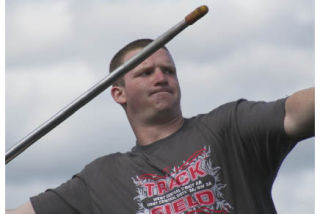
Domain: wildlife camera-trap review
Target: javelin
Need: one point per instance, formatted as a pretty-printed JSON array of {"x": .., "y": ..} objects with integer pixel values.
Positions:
[{"x": 99, "y": 87}]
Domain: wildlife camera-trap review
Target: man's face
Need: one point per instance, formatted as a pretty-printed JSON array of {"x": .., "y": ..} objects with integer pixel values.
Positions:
[{"x": 152, "y": 87}]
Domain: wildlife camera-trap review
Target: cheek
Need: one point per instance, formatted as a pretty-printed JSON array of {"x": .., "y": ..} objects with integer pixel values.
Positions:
[
  {"x": 134, "y": 93},
  {"x": 175, "y": 84}
]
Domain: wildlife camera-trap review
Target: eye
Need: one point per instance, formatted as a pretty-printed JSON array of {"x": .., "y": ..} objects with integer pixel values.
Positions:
[
  {"x": 169, "y": 71},
  {"x": 146, "y": 73}
]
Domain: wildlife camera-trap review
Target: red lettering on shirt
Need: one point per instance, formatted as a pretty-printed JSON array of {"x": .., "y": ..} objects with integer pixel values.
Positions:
[
  {"x": 157, "y": 210},
  {"x": 182, "y": 178},
  {"x": 162, "y": 187},
  {"x": 179, "y": 206},
  {"x": 173, "y": 183},
  {"x": 149, "y": 188},
  {"x": 190, "y": 201},
  {"x": 195, "y": 171},
  {"x": 168, "y": 209},
  {"x": 205, "y": 197}
]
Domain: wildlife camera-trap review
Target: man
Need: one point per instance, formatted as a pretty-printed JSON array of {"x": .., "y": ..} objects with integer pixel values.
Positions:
[{"x": 221, "y": 162}]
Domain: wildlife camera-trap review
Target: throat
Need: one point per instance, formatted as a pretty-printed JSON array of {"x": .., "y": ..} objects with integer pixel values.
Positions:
[{"x": 148, "y": 134}]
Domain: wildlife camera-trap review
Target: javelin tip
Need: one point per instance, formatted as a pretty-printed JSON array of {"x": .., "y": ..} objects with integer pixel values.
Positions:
[{"x": 196, "y": 14}]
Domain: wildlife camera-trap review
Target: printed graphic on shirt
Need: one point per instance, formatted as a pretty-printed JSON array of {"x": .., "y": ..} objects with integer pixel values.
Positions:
[{"x": 193, "y": 187}]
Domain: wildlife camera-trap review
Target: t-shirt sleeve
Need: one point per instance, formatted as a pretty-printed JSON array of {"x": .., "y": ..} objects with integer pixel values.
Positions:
[
  {"x": 69, "y": 198},
  {"x": 254, "y": 131},
  {"x": 261, "y": 121},
  {"x": 260, "y": 126}
]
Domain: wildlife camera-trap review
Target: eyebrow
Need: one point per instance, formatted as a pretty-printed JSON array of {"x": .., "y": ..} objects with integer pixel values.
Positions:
[
  {"x": 145, "y": 68},
  {"x": 141, "y": 69},
  {"x": 172, "y": 67}
]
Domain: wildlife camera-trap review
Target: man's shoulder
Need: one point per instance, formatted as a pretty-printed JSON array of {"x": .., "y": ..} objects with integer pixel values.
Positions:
[
  {"x": 110, "y": 161},
  {"x": 243, "y": 104},
  {"x": 219, "y": 110},
  {"x": 113, "y": 157}
]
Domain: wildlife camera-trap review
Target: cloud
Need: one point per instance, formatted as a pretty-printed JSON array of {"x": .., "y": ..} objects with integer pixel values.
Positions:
[
  {"x": 53, "y": 86},
  {"x": 260, "y": 69},
  {"x": 295, "y": 191},
  {"x": 36, "y": 26},
  {"x": 55, "y": 50}
]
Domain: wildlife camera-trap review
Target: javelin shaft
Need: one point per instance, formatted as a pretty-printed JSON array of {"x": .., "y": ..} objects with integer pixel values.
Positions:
[{"x": 103, "y": 84}]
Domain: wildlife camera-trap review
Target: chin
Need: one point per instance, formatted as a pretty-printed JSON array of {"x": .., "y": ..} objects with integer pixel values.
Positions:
[
  {"x": 164, "y": 106},
  {"x": 167, "y": 109}
]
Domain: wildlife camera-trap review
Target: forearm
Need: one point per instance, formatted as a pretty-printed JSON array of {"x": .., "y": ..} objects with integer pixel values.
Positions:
[
  {"x": 299, "y": 117},
  {"x": 23, "y": 209}
]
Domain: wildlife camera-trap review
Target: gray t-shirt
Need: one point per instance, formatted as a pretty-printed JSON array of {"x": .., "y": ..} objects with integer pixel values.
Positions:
[{"x": 221, "y": 162}]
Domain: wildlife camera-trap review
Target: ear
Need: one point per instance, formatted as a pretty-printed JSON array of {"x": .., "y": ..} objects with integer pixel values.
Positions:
[{"x": 119, "y": 94}]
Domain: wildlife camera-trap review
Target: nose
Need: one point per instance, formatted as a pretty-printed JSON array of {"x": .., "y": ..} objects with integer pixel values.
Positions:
[{"x": 160, "y": 77}]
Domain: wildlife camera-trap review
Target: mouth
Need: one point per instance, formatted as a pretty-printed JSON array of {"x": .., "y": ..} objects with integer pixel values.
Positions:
[{"x": 161, "y": 91}]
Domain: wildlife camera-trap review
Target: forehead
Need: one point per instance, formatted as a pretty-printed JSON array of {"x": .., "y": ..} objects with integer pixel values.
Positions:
[{"x": 160, "y": 57}]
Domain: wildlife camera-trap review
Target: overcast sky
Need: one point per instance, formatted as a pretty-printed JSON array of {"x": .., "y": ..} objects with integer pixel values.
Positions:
[{"x": 56, "y": 50}]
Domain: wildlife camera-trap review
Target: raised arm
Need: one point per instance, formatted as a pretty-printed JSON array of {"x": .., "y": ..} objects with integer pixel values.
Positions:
[
  {"x": 299, "y": 117},
  {"x": 23, "y": 209}
]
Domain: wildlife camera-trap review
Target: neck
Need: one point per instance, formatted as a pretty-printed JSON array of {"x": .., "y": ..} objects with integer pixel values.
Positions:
[{"x": 147, "y": 133}]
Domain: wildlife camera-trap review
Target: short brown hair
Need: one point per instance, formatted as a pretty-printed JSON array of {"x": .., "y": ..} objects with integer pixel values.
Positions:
[{"x": 117, "y": 60}]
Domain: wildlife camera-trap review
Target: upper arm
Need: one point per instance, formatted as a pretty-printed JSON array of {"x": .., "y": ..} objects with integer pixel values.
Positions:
[
  {"x": 299, "y": 116},
  {"x": 262, "y": 138},
  {"x": 70, "y": 197},
  {"x": 26, "y": 208}
]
